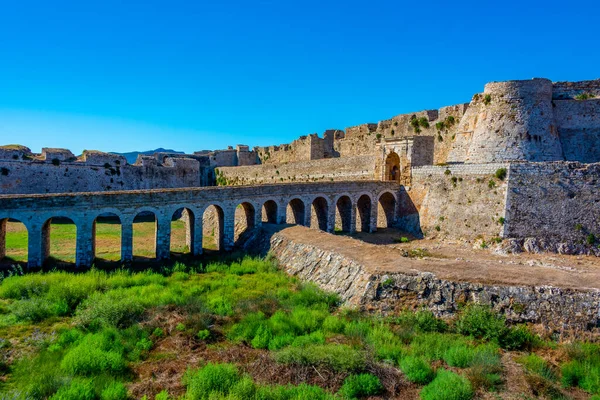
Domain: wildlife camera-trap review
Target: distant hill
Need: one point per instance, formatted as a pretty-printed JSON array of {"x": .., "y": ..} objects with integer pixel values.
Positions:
[{"x": 133, "y": 155}]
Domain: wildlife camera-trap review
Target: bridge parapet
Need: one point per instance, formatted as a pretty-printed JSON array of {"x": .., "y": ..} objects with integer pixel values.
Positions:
[{"x": 305, "y": 202}]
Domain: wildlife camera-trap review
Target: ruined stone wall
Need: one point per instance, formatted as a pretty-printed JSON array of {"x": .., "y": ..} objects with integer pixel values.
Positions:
[
  {"x": 568, "y": 90},
  {"x": 324, "y": 170},
  {"x": 441, "y": 124},
  {"x": 309, "y": 147},
  {"x": 58, "y": 171},
  {"x": 578, "y": 124},
  {"x": 567, "y": 310},
  {"x": 556, "y": 203},
  {"x": 457, "y": 201}
]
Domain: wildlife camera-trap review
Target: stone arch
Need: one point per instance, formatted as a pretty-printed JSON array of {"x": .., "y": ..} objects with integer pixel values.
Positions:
[
  {"x": 392, "y": 167},
  {"x": 14, "y": 241},
  {"x": 145, "y": 233},
  {"x": 296, "y": 212},
  {"x": 269, "y": 212},
  {"x": 213, "y": 218},
  {"x": 386, "y": 213},
  {"x": 343, "y": 213},
  {"x": 109, "y": 249},
  {"x": 245, "y": 220},
  {"x": 363, "y": 213},
  {"x": 59, "y": 229},
  {"x": 183, "y": 225},
  {"x": 320, "y": 211}
]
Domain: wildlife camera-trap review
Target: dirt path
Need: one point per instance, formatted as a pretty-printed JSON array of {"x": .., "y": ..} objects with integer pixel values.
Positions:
[{"x": 457, "y": 261}]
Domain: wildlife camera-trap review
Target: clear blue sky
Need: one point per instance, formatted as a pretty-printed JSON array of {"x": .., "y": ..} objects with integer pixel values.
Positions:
[{"x": 205, "y": 74}]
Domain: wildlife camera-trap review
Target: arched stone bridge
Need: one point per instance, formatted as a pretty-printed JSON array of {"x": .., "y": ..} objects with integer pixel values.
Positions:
[{"x": 352, "y": 201}]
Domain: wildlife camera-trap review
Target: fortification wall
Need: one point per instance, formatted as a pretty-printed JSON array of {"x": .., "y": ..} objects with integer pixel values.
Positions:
[
  {"x": 458, "y": 201},
  {"x": 556, "y": 203},
  {"x": 568, "y": 90},
  {"x": 330, "y": 169},
  {"x": 59, "y": 171},
  {"x": 309, "y": 147},
  {"x": 578, "y": 124}
]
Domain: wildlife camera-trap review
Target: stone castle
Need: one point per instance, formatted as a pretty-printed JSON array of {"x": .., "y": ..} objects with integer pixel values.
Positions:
[{"x": 521, "y": 161}]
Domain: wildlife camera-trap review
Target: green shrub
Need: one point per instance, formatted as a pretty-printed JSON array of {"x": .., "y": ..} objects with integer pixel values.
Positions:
[
  {"x": 385, "y": 344},
  {"x": 460, "y": 356},
  {"x": 572, "y": 373},
  {"x": 114, "y": 391},
  {"x": 312, "y": 338},
  {"x": 339, "y": 357},
  {"x": 357, "y": 330},
  {"x": 246, "y": 329},
  {"x": 262, "y": 338},
  {"x": 517, "y": 338},
  {"x": 537, "y": 365},
  {"x": 203, "y": 334},
  {"x": 163, "y": 395},
  {"x": 158, "y": 332},
  {"x": 210, "y": 378},
  {"x": 590, "y": 239},
  {"x": 333, "y": 324},
  {"x": 480, "y": 322},
  {"x": 33, "y": 310},
  {"x": 361, "y": 385},
  {"x": 77, "y": 389},
  {"x": 115, "y": 308},
  {"x": 433, "y": 345},
  {"x": 500, "y": 173},
  {"x": 447, "y": 386},
  {"x": 95, "y": 354},
  {"x": 486, "y": 368},
  {"x": 487, "y": 99},
  {"x": 417, "y": 370}
]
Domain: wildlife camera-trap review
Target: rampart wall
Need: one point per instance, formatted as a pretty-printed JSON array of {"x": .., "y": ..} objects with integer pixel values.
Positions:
[
  {"x": 325, "y": 170},
  {"x": 59, "y": 171},
  {"x": 578, "y": 125},
  {"x": 458, "y": 201},
  {"x": 554, "y": 206}
]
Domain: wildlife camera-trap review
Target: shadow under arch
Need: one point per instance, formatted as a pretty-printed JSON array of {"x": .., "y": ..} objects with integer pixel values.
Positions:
[
  {"x": 245, "y": 221},
  {"x": 319, "y": 208},
  {"x": 363, "y": 214},
  {"x": 343, "y": 214},
  {"x": 269, "y": 212},
  {"x": 296, "y": 212},
  {"x": 386, "y": 214}
]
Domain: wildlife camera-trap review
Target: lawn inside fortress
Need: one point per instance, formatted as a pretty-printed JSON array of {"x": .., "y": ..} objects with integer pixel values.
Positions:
[
  {"x": 246, "y": 330},
  {"x": 108, "y": 241}
]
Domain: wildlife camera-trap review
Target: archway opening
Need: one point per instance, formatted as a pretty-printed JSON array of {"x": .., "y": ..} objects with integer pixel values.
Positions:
[
  {"x": 182, "y": 231},
  {"x": 59, "y": 240},
  {"x": 318, "y": 218},
  {"x": 145, "y": 228},
  {"x": 386, "y": 210},
  {"x": 107, "y": 237},
  {"x": 343, "y": 214},
  {"x": 363, "y": 214},
  {"x": 392, "y": 167},
  {"x": 14, "y": 242},
  {"x": 212, "y": 225},
  {"x": 245, "y": 215},
  {"x": 269, "y": 212},
  {"x": 295, "y": 213}
]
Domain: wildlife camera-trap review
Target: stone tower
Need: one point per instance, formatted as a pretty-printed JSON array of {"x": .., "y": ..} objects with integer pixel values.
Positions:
[{"x": 511, "y": 120}]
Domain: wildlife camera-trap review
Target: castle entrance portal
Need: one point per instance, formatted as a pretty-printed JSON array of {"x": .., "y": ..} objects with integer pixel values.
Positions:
[{"x": 392, "y": 167}]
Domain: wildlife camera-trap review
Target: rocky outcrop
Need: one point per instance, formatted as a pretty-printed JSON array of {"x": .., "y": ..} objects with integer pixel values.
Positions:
[{"x": 564, "y": 311}]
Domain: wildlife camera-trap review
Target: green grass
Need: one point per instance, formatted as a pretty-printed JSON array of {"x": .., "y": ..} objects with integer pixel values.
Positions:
[
  {"x": 86, "y": 335},
  {"x": 108, "y": 240}
]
